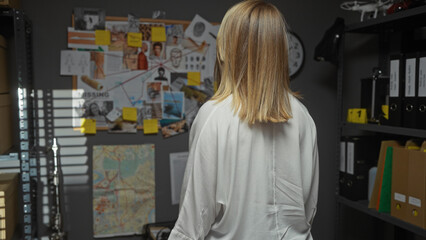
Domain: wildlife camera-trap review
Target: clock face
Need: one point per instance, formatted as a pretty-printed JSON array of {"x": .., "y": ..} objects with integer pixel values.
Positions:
[{"x": 296, "y": 53}]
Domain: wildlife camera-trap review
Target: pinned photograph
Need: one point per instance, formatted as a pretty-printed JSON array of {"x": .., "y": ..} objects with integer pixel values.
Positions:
[
  {"x": 133, "y": 23},
  {"x": 194, "y": 99},
  {"x": 81, "y": 39},
  {"x": 178, "y": 80},
  {"x": 145, "y": 29},
  {"x": 175, "y": 58},
  {"x": 157, "y": 51},
  {"x": 75, "y": 62},
  {"x": 143, "y": 56},
  {"x": 173, "y": 128},
  {"x": 97, "y": 61},
  {"x": 118, "y": 32},
  {"x": 130, "y": 58},
  {"x": 89, "y": 19},
  {"x": 121, "y": 126},
  {"x": 160, "y": 75},
  {"x": 153, "y": 92},
  {"x": 198, "y": 29},
  {"x": 174, "y": 34},
  {"x": 195, "y": 62},
  {"x": 149, "y": 111},
  {"x": 98, "y": 110},
  {"x": 173, "y": 105}
]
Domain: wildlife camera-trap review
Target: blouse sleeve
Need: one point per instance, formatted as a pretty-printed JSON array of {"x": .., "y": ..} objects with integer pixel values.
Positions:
[
  {"x": 311, "y": 202},
  {"x": 198, "y": 208}
]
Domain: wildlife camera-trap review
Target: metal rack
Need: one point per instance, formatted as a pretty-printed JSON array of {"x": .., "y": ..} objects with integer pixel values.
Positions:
[
  {"x": 16, "y": 26},
  {"x": 383, "y": 28}
]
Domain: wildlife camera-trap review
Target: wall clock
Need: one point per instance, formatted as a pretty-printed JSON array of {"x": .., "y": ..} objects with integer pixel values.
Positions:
[{"x": 296, "y": 53}]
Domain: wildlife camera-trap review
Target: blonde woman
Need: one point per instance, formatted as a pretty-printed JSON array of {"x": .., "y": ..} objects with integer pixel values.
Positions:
[{"x": 252, "y": 171}]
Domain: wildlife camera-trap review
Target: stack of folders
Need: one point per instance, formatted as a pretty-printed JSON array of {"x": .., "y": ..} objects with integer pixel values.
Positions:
[
  {"x": 407, "y": 90},
  {"x": 357, "y": 155},
  {"x": 8, "y": 204},
  {"x": 400, "y": 182},
  {"x": 409, "y": 184}
]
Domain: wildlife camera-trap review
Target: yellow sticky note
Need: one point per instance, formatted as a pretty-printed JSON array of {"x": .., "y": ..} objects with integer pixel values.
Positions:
[
  {"x": 357, "y": 115},
  {"x": 102, "y": 37},
  {"x": 385, "y": 110},
  {"x": 134, "y": 39},
  {"x": 88, "y": 126},
  {"x": 150, "y": 126},
  {"x": 194, "y": 78},
  {"x": 130, "y": 114},
  {"x": 158, "y": 34}
]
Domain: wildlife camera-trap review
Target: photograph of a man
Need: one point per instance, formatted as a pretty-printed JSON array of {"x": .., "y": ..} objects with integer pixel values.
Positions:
[
  {"x": 161, "y": 73},
  {"x": 157, "y": 51}
]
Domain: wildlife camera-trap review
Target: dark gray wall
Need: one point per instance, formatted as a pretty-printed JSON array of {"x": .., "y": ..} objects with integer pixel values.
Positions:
[{"x": 316, "y": 82}]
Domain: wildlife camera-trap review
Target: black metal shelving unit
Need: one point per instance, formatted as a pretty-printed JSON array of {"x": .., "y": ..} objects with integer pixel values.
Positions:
[
  {"x": 410, "y": 132},
  {"x": 383, "y": 27},
  {"x": 363, "y": 207},
  {"x": 16, "y": 27}
]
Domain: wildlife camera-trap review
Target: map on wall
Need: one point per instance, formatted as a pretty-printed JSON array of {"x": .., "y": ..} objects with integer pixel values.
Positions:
[{"x": 123, "y": 189}]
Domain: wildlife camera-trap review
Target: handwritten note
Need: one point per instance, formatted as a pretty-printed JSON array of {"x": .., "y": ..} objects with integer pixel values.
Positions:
[
  {"x": 134, "y": 39},
  {"x": 150, "y": 126}
]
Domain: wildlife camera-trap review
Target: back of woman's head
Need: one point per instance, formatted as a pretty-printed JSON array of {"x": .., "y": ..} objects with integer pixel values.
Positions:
[{"x": 252, "y": 62}]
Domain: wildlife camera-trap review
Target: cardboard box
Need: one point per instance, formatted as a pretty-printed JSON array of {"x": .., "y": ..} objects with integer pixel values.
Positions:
[
  {"x": 10, "y": 3},
  {"x": 8, "y": 204},
  {"x": 379, "y": 175},
  {"x": 399, "y": 198},
  {"x": 416, "y": 211},
  {"x": 5, "y": 123},
  {"x": 4, "y": 68}
]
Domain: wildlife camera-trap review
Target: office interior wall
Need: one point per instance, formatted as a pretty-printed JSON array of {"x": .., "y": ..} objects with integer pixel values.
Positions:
[{"x": 316, "y": 82}]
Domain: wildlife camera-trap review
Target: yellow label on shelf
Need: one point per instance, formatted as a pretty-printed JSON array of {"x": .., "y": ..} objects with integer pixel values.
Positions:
[
  {"x": 88, "y": 126},
  {"x": 357, "y": 115},
  {"x": 134, "y": 39},
  {"x": 194, "y": 78},
  {"x": 102, "y": 37},
  {"x": 413, "y": 148},
  {"x": 150, "y": 126},
  {"x": 130, "y": 114},
  {"x": 385, "y": 110},
  {"x": 158, "y": 34}
]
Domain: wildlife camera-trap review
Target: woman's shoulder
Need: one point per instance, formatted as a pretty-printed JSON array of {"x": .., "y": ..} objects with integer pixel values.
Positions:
[
  {"x": 299, "y": 110},
  {"x": 212, "y": 106}
]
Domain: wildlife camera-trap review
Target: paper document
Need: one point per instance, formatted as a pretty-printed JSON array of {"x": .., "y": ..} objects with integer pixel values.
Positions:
[
  {"x": 177, "y": 170},
  {"x": 75, "y": 62}
]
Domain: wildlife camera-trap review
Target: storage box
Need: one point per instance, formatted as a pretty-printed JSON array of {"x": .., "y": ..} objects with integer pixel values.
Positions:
[
  {"x": 10, "y": 3},
  {"x": 416, "y": 212},
  {"x": 8, "y": 204},
  {"x": 5, "y": 123},
  {"x": 4, "y": 68}
]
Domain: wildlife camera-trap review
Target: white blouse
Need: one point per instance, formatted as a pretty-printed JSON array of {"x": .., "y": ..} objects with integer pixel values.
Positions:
[{"x": 243, "y": 182}]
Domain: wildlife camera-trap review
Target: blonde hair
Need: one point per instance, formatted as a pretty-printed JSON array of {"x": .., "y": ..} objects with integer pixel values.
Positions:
[{"x": 252, "y": 62}]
